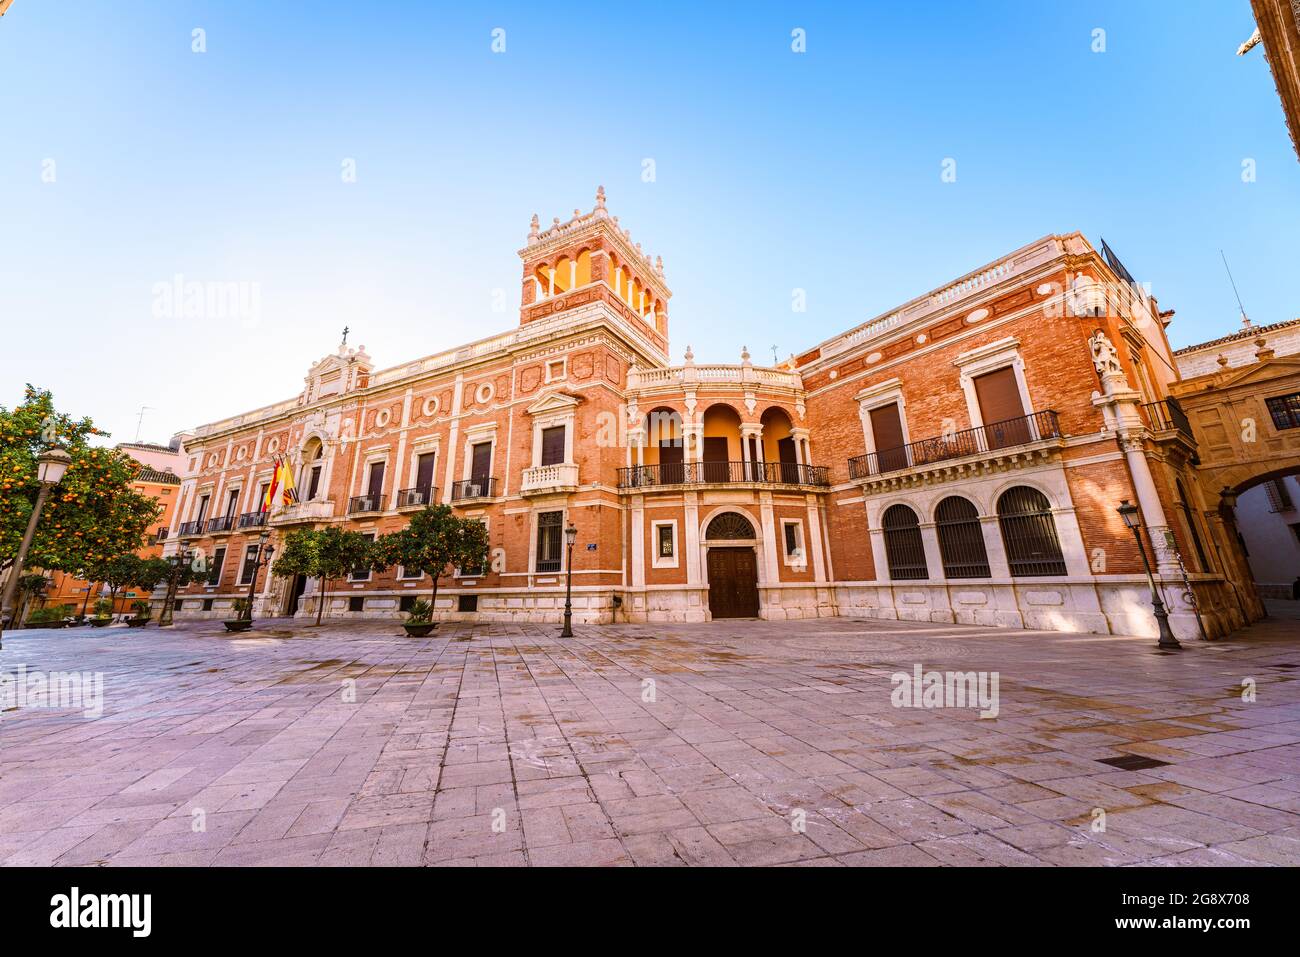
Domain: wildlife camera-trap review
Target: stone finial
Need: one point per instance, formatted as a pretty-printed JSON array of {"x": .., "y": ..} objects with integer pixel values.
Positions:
[
  {"x": 1222, "y": 360},
  {"x": 659, "y": 265},
  {"x": 690, "y": 356},
  {"x": 1262, "y": 352},
  {"x": 534, "y": 227},
  {"x": 555, "y": 220},
  {"x": 600, "y": 197},
  {"x": 744, "y": 355}
]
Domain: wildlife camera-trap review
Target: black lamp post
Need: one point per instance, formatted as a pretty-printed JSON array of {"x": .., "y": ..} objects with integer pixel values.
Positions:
[
  {"x": 1129, "y": 513},
  {"x": 570, "y": 536},
  {"x": 50, "y": 466},
  {"x": 179, "y": 561},
  {"x": 264, "y": 552}
]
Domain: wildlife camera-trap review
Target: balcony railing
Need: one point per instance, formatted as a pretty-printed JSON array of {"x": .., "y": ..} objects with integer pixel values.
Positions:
[
  {"x": 473, "y": 488},
  {"x": 365, "y": 503},
  {"x": 417, "y": 497},
  {"x": 190, "y": 529},
  {"x": 722, "y": 473},
  {"x": 252, "y": 520},
  {"x": 548, "y": 478},
  {"x": 1167, "y": 414},
  {"x": 987, "y": 438},
  {"x": 221, "y": 524}
]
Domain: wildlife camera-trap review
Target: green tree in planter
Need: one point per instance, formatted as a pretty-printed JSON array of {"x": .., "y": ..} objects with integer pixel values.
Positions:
[
  {"x": 327, "y": 553},
  {"x": 150, "y": 573},
  {"x": 119, "y": 572},
  {"x": 92, "y": 515},
  {"x": 299, "y": 555},
  {"x": 435, "y": 540}
]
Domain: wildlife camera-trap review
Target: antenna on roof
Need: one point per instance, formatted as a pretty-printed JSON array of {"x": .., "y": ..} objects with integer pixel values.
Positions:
[
  {"x": 1245, "y": 320},
  {"x": 139, "y": 419}
]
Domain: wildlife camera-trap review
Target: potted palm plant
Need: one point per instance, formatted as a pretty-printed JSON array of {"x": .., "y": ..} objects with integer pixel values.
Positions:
[
  {"x": 419, "y": 620},
  {"x": 142, "y": 614},
  {"x": 242, "y": 620},
  {"x": 103, "y": 615}
]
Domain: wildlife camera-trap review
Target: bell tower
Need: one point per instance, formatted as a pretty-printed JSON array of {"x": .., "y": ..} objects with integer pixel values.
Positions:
[{"x": 591, "y": 259}]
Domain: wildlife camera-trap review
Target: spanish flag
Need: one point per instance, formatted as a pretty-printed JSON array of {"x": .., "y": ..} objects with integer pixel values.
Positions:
[
  {"x": 288, "y": 491},
  {"x": 272, "y": 488}
]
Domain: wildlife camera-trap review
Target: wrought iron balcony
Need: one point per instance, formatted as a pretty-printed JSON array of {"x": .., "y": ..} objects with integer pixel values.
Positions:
[
  {"x": 417, "y": 497},
  {"x": 723, "y": 473},
  {"x": 473, "y": 488},
  {"x": 1166, "y": 415},
  {"x": 190, "y": 529},
  {"x": 549, "y": 478},
  {"x": 252, "y": 520},
  {"x": 221, "y": 525},
  {"x": 365, "y": 503},
  {"x": 983, "y": 440}
]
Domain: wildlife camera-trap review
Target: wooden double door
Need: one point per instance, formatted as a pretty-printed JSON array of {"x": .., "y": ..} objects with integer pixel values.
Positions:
[{"x": 733, "y": 583}]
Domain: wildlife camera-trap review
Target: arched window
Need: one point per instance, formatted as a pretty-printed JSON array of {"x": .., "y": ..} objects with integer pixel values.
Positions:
[
  {"x": 903, "y": 548},
  {"x": 961, "y": 540},
  {"x": 1029, "y": 532},
  {"x": 729, "y": 525}
]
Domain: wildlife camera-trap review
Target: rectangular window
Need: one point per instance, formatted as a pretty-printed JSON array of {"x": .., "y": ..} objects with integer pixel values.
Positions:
[
  {"x": 218, "y": 559},
  {"x": 424, "y": 471},
  {"x": 552, "y": 445},
  {"x": 1285, "y": 410},
  {"x": 356, "y": 603},
  {"x": 467, "y": 602},
  {"x": 792, "y": 544},
  {"x": 1279, "y": 499},
  {"x": 481, "y": 462},
  {"x": 313, "y": 483},
  {"x": 550, "y": 536},
  {"x": 262, "y": 489},
  {"x": 406, "y": 603},
  {"x": 207, "y": 604},
  {"x": 666, "y": 545},
  {"x": 375, "y": 484},
  {"x": 250, "y": 565},
  {"x": 403, "y": 573},
  {"x": 887, "y": 433},
  {"x": 362, "y": 574},
  {"x": 232, "y": 503},
  {"x": 203, "y": 509}
]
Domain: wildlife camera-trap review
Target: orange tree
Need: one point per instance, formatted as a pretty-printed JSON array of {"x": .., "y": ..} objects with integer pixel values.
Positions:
[
  {"x": 92, "y": 515},
  {"x": 434, "y": 540}
]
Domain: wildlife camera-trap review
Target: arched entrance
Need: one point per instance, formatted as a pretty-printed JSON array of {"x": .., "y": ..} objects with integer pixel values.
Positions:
[{"x": 732, "y": 566}]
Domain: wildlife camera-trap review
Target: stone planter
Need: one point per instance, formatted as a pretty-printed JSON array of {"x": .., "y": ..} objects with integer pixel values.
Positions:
[
  {"x": 237, "y": 624},
  {"x": 419, "y": 629},
  {"x": 101, "y": 622},
  {"x": 137, "y": 622}
]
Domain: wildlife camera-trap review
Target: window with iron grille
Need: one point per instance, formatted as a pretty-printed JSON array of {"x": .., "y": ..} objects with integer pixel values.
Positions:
[
  {"x": 550, "y": 536},
  {"x": 356, "y": 603},
  {"x": 467, "y": 602},
  {"x": 903, "y": 547},
  {"x": 362, "y": 574},
  {"x": 1285, "y": 410},
  {"x": 665, "y": 533},
  {"x": 961, "y": 539},
  {"x": 1029, "y": 533},
  {"x": 406, "y": 603},
  {"x": 1279, "y": 499}
]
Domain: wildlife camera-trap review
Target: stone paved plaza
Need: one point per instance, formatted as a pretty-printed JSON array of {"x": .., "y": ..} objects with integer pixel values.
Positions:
[{"x": 505, "y": 745}]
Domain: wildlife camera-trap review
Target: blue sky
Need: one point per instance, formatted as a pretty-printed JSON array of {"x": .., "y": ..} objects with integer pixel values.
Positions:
[{"x": 774, "y": 171}]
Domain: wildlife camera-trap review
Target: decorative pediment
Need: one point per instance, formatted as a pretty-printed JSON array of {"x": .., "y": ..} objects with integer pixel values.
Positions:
[
  {"x": 1271, "y": 368},
  {"x": 554, "y": 402},
  {"x": 338, "y": 374}
]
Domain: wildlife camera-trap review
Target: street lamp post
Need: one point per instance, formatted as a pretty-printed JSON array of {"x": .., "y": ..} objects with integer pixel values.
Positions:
[
  {"x": 1129, "y": 513},
  {"x": 179, "y": 560},
  {"x": 570, "y": 536},
  {"x": 264, "y": 552},
  {"x": 50, "y": 467}
]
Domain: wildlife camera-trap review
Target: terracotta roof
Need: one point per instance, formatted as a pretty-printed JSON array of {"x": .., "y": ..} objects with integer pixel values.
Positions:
[
  {"x": 1250, "y": 333},
  {"x": 147, "y": 474}
]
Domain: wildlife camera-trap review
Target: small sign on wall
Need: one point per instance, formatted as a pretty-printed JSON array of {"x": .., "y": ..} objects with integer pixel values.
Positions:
[{"x": 591, "y": 547}]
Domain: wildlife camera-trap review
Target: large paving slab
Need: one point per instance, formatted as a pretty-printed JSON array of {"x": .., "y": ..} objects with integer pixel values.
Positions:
[{"x": 732, "y": 743}]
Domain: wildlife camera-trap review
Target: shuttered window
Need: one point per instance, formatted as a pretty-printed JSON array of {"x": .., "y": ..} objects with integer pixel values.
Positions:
[
  {"x": 887, "y": 431},
  {"x": 552, "y": 445},
  {"x": 1003, "y": 413}
]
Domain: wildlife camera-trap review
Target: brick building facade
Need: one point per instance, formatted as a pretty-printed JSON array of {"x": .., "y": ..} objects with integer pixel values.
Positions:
[{"x": 957, "y": 459}]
